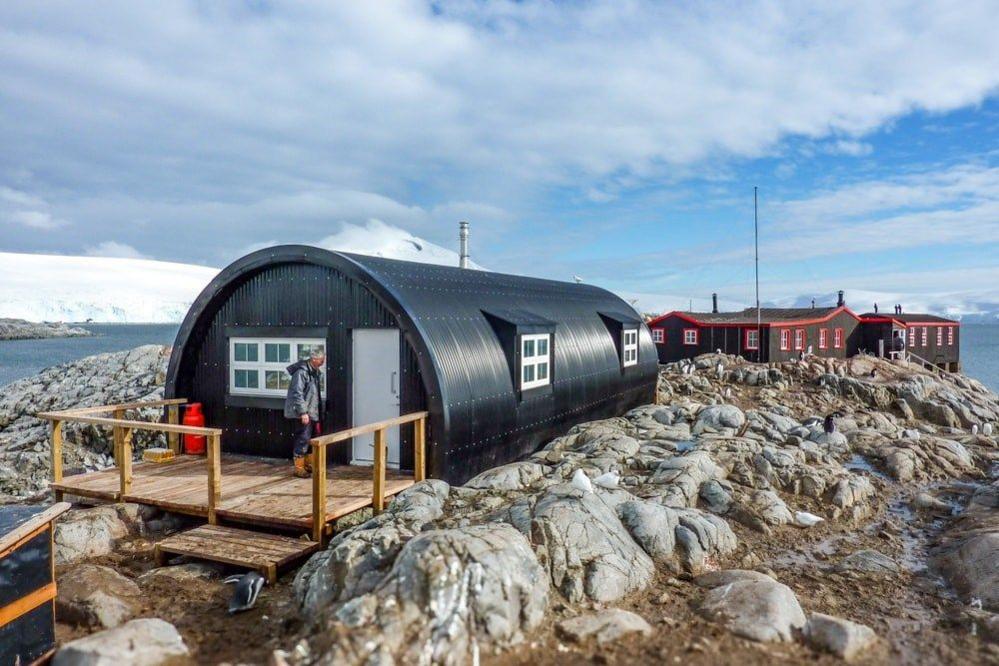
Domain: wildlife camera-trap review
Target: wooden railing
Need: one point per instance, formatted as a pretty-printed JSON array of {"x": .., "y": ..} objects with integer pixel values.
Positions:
[
  {"x": 929, "y": 365},
  {"x": 124, "y": 429},
  {"x": 319, "y": 444}
]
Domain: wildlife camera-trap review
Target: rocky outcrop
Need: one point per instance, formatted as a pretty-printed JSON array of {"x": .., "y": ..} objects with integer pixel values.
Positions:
[
  {"x": 968, "y": 553},
  {"x": 96, "y": 380},
  {"x": 760, "y": 610},
  {"x": 604, "y": 627},
  {"x": 450, "y": 594},
  {"x": 145, "y": 642},
  {"x": 843, "y": 638},
  {"x": 22, "y": 329},
  {"x": 96, "y": 596},
  {"x": 84, "y": 533}
]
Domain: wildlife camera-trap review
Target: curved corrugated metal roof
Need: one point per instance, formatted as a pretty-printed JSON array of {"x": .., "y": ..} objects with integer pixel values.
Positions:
[{"x": 478, "y": 418}]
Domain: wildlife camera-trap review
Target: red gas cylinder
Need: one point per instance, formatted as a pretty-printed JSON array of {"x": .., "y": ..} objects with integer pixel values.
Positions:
[{"x": 194, "y": 445}]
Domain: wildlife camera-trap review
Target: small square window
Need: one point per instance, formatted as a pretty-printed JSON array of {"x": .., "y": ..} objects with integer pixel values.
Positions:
[
  {"x": 277, "y": 352},
  {"x": 276, "y": 379},
  {"x": 542, "y": 371},
  {"x": 691, "y": 336},
  {"x": 305, "y": 350},
  {"x": 950, "y": 335},
  {"x": 543, "y": 347},
  {"x": 248, "y": 379},
  {"x": 245, "y": 352},
  {"x": 658, "y": 336},
  {"x": 529, "y": 348}
]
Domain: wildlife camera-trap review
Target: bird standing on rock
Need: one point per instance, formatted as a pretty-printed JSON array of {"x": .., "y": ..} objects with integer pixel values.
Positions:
[
  {"x": 829, "y": 424},
  {"x": 987, "y": 429},
  {"x": 244, "y": 595}
]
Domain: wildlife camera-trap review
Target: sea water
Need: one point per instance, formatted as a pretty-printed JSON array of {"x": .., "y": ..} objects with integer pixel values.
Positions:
[{"x": 21, "y": 358}]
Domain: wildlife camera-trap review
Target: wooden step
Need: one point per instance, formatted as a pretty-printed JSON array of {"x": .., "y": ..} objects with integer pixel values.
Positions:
[{"x": 265, "y": 553}]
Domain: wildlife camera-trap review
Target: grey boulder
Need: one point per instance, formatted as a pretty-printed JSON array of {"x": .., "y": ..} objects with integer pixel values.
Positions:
[
  {"x": 145, "y": 642},
  {"x": 843, "y": 638},
  {"x": 605, "y": 627},
  {"x": 96, "y": 596},
  {"x": 760, "y": 610}
]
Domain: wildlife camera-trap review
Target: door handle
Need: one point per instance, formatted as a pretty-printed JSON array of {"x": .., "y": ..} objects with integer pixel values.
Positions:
[{"x": 392, "y": 385}]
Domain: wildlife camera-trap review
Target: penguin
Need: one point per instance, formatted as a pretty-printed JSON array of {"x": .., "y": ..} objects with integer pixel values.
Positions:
[
  {"x": 805, "y": 519},
  {"x": 811, "y": 422},
  {"x": 829, "y": 424},
  {"x": 874, "y": 373},
  {"x": 719, "y": 370},
  {"x": 608, "y": 480},
  {"x": 987, "y": 429},
  {"x": 974, "y": 428},
  {"x": 244, "y": 594}
]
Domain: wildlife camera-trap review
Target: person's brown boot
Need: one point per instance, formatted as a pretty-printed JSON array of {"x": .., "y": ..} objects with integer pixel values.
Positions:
[
  {"x": 308, "y": 463},
  {"x": 300, "y": 470}
]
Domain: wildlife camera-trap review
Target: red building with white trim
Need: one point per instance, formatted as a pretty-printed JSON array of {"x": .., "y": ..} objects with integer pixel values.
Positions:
[{"x": 783, "y": 334}]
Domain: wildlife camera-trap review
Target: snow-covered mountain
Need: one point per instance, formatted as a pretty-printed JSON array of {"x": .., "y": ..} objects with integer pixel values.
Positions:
[{"x": 43, "y": 287}]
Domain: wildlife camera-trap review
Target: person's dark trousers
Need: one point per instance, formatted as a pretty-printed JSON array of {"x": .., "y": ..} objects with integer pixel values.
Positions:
[{"x": 304, "y": 433}]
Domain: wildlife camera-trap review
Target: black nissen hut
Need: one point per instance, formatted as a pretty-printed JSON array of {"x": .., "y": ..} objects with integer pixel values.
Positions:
[{"x": 501, "y": 362}]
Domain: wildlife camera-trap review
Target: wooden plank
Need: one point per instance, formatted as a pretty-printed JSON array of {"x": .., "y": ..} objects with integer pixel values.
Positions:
[
  {"x": 142, "y": 404},
  {"x": 30, "y": 526},
  {"x": 214, "y": 476},
  {"x": 340, "y": 436},
  {"x": 420, "y": 450},
  {"x": 27, "y": 603},
  {"x": 137, "y": 425},
  {"x": 173, "y": 417},
  {"x": 56, "y": 452},
  {"x": 116, "y": 434},
  {"x": 318, "y": 493},
  {"x": 125, "y": 466},
  {"x": 378, "y": 483}
]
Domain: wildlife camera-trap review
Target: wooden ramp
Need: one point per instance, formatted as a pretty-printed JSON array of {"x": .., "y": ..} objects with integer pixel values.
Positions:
[
  {"x": 266, "y": 553},
  {"x": 253, "y": 491}
]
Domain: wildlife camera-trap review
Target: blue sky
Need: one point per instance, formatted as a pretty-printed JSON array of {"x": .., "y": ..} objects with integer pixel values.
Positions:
[{"x": 618, "y": 141}]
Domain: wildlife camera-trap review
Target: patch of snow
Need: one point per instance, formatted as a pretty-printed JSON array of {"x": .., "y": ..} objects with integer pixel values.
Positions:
[{"x": 378, "y": 239}]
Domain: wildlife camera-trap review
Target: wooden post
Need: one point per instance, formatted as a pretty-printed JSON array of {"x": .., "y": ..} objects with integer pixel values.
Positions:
[
  {"x": 378, "y": 489},
  {"x": 117, "y": 435},
  {"x": 214, "y": 476},
  {"x": 56, "y": 454},
  {"x": 318, "y": 492},
  {"x": 420, "y": 449},
  {"x": 125, "y": 466},
  {"x": 173, "y": 439}
]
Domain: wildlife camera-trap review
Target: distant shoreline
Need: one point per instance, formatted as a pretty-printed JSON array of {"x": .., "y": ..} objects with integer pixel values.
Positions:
[{"x": 22, "y": 329}]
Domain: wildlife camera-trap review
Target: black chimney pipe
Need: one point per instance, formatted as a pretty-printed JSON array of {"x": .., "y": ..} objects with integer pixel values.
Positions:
[
  {"x": 714, "y": 302},
  {"x": 842, "y": 299}
]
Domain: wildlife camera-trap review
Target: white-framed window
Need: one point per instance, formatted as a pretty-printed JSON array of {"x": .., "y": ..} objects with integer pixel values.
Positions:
[
  {"x": 535, "y": 360},
  {"x": 823, "y": 338},
  {"x": 785, "y": 339},
  {"x": 658, "y": 335},
  {"x": 838, "y": 338},
  {"x": 950, "y": 335},
  {"x": 629, "y": 347},
  {"x": 939, "y": 336},
  {"x": 752, "y": 339},
  {"x": 691, "y": 336},
  {"x": 799, "y": 339},
  {"x": 257, "y": 366},
  {"x": 926, "y": 336}
]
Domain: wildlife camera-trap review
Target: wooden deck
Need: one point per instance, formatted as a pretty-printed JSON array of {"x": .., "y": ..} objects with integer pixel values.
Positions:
[
  {"x": 253, "y": 491},
  {"x": 266, "y": 553}
]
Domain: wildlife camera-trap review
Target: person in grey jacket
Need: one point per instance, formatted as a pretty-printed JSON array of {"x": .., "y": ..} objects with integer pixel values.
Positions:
[{"x": 304, "y": 404}]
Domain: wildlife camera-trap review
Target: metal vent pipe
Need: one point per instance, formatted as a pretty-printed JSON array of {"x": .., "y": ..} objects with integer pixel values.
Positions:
[{"x": 463, "y": 244}]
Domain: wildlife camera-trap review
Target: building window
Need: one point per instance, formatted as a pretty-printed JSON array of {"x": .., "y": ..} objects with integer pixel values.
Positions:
[
  {"x": 799, "y": 339},
  {"x": 752, "y": 339},
  {"x": 838, "y": 338},
  {"x": 691, "y": 336},
  {"x": 257, "y": 366},
  {"x": 926, "y": 336},
  {"x": 823, "y": 338},
  {"x": 629, "y": 347},
  {"x": 914, "y": 334},
  {"x": 950, "y": 335},
  {"x": 785, "y": 339},
  {"x": 658, "y": 336},
  {"x": 939, "y": 336},
  {"x": 535, "y": 360}
]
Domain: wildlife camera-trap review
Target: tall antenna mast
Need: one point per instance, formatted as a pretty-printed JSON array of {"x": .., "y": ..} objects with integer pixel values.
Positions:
[{"x": 756, "y": 247}]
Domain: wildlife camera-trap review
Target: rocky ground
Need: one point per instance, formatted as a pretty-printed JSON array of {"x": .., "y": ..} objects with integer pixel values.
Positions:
[
  {"x": 22, "y": 329},
  {"x": 723, "y": 525},
  {"x": 103, "y": 379}
]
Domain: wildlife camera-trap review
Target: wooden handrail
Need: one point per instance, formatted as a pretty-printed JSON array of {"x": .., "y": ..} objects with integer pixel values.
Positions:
[
  {"x": 333, "y": 438},
  {"x": 136, "y": 425},
  {"x": 319, "y": 444},
  {"x": 170, "y": 402}
]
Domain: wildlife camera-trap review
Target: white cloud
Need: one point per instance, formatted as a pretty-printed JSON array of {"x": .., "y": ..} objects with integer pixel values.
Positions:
[
  {"x": 114, "y": 249},
  {"x": 851, "y": 148},
  {"x": 36, "y": 219}
]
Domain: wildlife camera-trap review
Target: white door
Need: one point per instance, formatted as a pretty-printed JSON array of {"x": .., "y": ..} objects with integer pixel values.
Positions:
[{"x": 375, "y": 389}]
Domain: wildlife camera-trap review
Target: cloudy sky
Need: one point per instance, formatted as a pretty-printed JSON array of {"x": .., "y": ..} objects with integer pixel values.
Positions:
[{"x": 619, "y": 141}]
